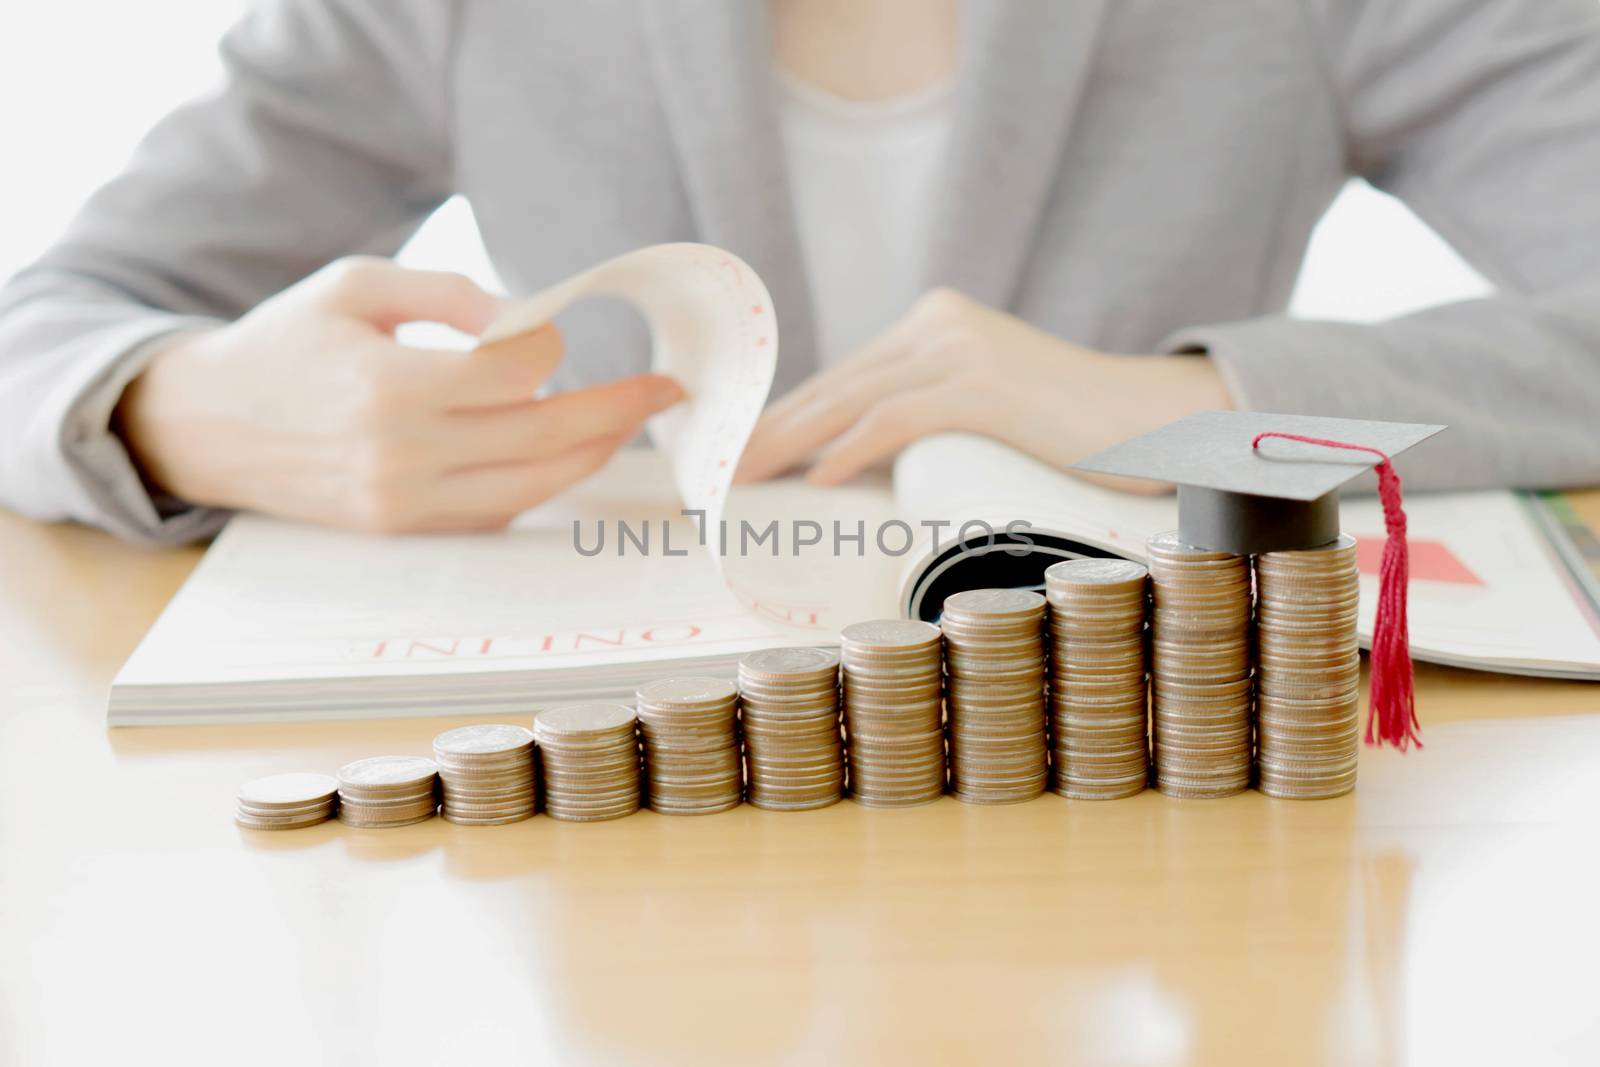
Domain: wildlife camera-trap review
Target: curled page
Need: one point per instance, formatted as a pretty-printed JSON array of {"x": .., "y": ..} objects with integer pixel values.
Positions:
[{"x": 712, "y": 328}]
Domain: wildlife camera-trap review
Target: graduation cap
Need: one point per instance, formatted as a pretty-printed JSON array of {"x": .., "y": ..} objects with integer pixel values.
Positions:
[{"x": 1251, "y": 482}]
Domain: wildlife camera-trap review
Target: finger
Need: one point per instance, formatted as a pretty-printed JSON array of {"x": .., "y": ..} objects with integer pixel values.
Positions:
[
  {"x": 493, "y": 495},
  {"x": 785, "y": 439},
  {"x": 384, "y": 294},
  {"x": 511, "y": 370},
  {"x": 543, "y": 429},
  {"x": 825, "y": 405},
  {"x": 462, "y": 524},
  {"x": 884, "y": 431},
  {"x": 887, "y": 346},
  {"x": 503, "y": 373}
]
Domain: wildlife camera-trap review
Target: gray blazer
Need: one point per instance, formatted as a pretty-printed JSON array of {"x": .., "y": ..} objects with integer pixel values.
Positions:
[{"x": 1134, "y": 175}]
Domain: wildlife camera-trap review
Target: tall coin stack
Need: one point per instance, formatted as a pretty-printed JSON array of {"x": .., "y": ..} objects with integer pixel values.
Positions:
[
  {"x": 1200, "y": 659},
  {"x": 486, "y": 774},
  {"x": 385, "y": 791},
  {"x": 690, "y": 728},
  {"x": 1099, "y": 716},
  {"x": 1307, "y": 671},
  {"x": 893, "y": 711},
  {"x": 994, "y": 663},
  {"x": 789, "y": 710},
  {"x": 589, "y": 757}
]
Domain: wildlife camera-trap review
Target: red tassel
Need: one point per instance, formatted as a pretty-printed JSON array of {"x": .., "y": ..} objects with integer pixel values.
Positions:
[{"x": 1392, "y": 710}]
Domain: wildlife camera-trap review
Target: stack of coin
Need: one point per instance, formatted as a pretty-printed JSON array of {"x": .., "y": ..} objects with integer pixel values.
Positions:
[
  {"x": 486, "y": 774},
  {"x": 1307, "y": 671},
  {"x": 386, "y": 791},
  {"x": 994, "y": 667},
  {"x": 690, "y": 730},
  {"x": 789, "y": 713},
  {"x": 589, "y": 756},
  {"x": 1200, "y": 669},
  {"x": 893, "y": 711},
  {"x": 1098, "y": 708},
  {"x": 287, "y": 801}
]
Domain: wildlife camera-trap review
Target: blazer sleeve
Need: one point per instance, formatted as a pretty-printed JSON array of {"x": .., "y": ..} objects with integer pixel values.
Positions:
[
  {"x": 1484, "y": 117},
  {"x": 329, "y": 136}
]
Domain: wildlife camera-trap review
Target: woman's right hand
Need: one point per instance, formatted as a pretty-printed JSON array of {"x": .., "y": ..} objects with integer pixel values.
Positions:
[{"x": 308, "y": 408}]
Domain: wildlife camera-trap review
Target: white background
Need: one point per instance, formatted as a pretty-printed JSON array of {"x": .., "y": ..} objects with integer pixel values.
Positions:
[{"x": 80, "y": 81}]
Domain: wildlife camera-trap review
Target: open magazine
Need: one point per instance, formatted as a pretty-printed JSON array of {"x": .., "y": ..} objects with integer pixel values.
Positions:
[
  {"x": 281, "y": 620},
  {"x": 659, "y": 565}
]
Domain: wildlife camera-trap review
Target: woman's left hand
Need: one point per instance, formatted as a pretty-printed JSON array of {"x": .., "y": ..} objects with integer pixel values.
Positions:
[{"x": 953, "y": 364}]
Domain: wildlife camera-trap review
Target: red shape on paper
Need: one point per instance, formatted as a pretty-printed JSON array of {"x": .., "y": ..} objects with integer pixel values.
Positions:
[
  {"x": 1431, "y": 561},
  {"x": 756, "y": 309}
]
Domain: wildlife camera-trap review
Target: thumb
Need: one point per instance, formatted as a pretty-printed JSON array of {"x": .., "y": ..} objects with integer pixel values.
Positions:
[{"x": 384, "y": 294}]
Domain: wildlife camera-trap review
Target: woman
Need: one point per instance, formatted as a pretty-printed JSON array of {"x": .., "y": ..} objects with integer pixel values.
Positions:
[{"x": 1059, "y": 224}]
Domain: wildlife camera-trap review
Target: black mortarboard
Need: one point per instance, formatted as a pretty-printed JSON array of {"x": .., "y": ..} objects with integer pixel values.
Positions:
[
  {"x": 1250, "y": 482},
  {"x": 1240, "y": 492}
]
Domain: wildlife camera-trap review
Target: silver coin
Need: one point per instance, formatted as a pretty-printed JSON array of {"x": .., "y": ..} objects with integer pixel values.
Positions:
[
  {"x": 486, "y": 739},
  {"x": 360, "y": 821},
  {"x": 1096, "y": 572},
  {"x": 387, "y": 771},
  {"x": 783, "y": 662},
  {"x": 571, "y": 719},
  {"x": 890, "y": 634},
  {"x": 315, "y": 807},
  {"x": 288, "y": 790},
  {"x": 694, "y": 690},
  {"x": 982, "y": 602},
  {"x": 269, "y": 822}
]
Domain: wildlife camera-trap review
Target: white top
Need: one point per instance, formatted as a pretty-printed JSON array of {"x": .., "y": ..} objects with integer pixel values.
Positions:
[{"x": 863, "y": 178}]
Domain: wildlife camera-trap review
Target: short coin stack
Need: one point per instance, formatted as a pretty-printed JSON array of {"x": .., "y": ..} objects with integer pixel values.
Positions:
[
  {"x": 789, "y": 712},
  {"x": 893, "y": 712},
  {"x": 486, "y": 773},
  {"x": 287, "y": 801},
  {"x": 1308, "y": 671},
  {"x": 1200, "y": 659},
  {"x": 690, "y": 729},
  {"x": 385, "y": 791},
  {"x": 994, "y": 661},
  {"x": 1099, "y": 717},
  {"x": 589, "y": 756}
]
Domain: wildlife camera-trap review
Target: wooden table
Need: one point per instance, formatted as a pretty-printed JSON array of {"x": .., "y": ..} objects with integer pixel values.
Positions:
[{"x": 1448, "y": 912}]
